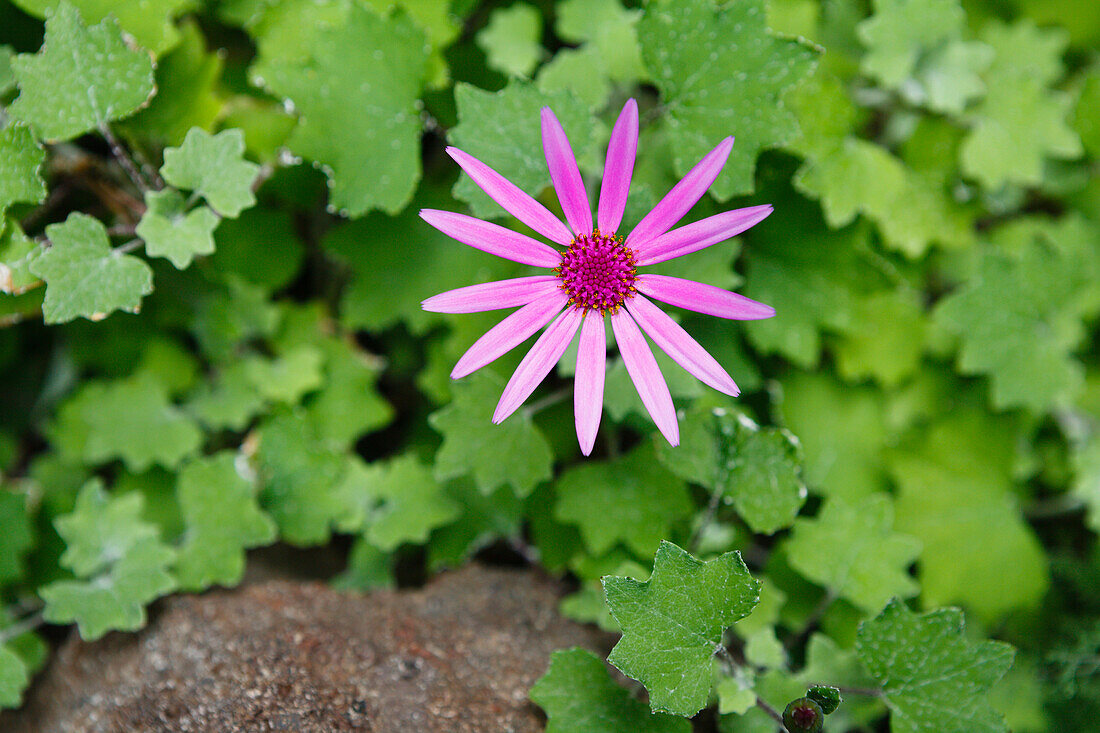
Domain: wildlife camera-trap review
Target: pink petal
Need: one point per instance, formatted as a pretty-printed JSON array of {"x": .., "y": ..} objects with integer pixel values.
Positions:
[
  {"x": 509, "y": 333},
  {"x": 646, "y": 375},
  {"x": 492, "y": 296},
  {"x": 701, "y": 234},
  {"x": 588, "y": 382},
  {"x": 702, "y": 298},
  {"x": 538, "y": 362},
  {"x": 618, "y": 169},
  {"x": 675, "y": 341},
  {"x": 514, "y": 200},
  {"x": 682, "y": 197},
  {"x": 492, "y": 238},
  {"x": 565, "y": 174}
]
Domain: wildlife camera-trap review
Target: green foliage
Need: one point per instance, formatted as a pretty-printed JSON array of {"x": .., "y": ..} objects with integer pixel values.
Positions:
[
  {"x": 170, "y": 231},
  {"x": 83, "y": 78},
  {"x": 933, "y": 677},
  {"x": 149, "y": 23},
  {"x": 512, "y": 40},
  {"x": 21, "y": 159},
  {"x": 673, "y": 623},
  {"x": 578, "y": 694}
]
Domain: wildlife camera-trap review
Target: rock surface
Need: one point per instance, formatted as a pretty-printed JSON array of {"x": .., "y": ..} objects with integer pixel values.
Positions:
[{"x": 458, "y": 655}]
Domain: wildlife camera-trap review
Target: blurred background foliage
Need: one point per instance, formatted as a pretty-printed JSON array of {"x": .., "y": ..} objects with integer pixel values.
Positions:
[{"x": 228, "y": 349}]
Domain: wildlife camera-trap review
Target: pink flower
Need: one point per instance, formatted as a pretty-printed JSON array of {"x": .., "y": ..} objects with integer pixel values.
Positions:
[{"x": 595, "y": 276}]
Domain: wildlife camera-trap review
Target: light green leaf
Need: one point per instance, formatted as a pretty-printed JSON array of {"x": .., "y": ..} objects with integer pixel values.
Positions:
[
  {"x": 401, "y": 501},
  {"x": 933, "y": 677},
  {"x": 673, "y": 623},
  {"x": 288, "y": 377},
  {"x": 348, "y": 403},
  {"x": 512, "y": 41},
  {"x": 645, "y": 499},
  {"x": 514, "y": 453},
  {"x": 84, "y": 276},
  {"x": 81, "y": 79},
  {"x": 361, "y": 123},
  {"x": 213, "y": 166},
  {"x": 502, "y": 130},
  {"x": 226, "y": 317},
  {"x": 14, "y": 678},
  {"x": 21, "y": 158},
  {"x": 1021, "y": 122},
  {"x": 17, "y": 252},
  {"x": 7, "y": 76},
  {"x": 900, "y": 31},
  {"x": 368, "y": 569},
  {"x": 222, "y": 519},
  {"x": 229, "y": 400},
  {"x": 132, "y": 419},
  {"x": 170, "y": 231},
  {"x": 149, "y": 22},
  {"x": 578, "y": 694},
  {"x": 950, "y": 78},
  {"x": 302, "y": 479},
  {"x": 886, "y": 340},
  {"x": 609, "y": 29},
  {"x": 955, "y": 495},
  {"x": 721, "y": 72},
  {"x": 116, "y": 600},
  {"x": 854, "y": 552},
  {"x": 757, "y": 470},
  {"x": 580, "y": 71},
  {"x": 484, "y": 520}
]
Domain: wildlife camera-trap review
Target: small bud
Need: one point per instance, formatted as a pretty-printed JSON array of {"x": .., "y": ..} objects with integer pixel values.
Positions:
[
  {"x": 827, "y": 697},
  {"x": 803, "y": 716}
]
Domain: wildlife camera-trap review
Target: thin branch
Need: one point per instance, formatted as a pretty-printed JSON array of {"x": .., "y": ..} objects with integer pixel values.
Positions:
[
  {"x": 128, "y": 247},
  {"x": 549, "y": 400},
  {"x": 150, "y": 170},
  {"x": 121, "y": 230},
  {"x": 708, "y": 517},
  {"x": 772, "y": 712},
  {"x": 812, "y": 620},
  {"x": 30, "y": 623},
  {"x": 864, "y": 691},
  {"x": 124, "y": 159}
]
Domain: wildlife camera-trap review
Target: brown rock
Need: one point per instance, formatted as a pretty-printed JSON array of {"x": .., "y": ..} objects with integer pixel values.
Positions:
[{"x": 457, "y": 655}]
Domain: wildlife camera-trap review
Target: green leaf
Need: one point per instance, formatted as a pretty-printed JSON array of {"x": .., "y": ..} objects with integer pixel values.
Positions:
[
  {"x": 81, "y": 79},
  {"x": 348, "y": 403},
  {"x": 886, "y": 340},
  {"x": 118, "y": 558},
  {"x": 84, "y": 276},
  {"x": 116, "y": 600},
  {"x": 673, "y": 623},
  {"x": 21, "y": 159},
  {"x": 170, "y": 231},
  {"x": 1017, "y": 319},
  {"x": 721, "y": 72},
  {"x": 842, "y": 430},
  {"x": 512, "y": 41},
  {"x": 7, "y": 76},
  {"x": 854, "y": 552},
  {"x": 828, "y": 663},
  {"x": 229, "y": 400},
  {"x": 368, "y": 569},
  {"x": 955, "y": 496},
  {"x": 1087, "y": 113},
  {"x": 226, "y": 317},
  {"x": 580, "y": 71},
  {"x": 757, "y": 470},
  {"x": 149, "y": 22},
  {"x": 609, "y": 29},
  {"x": 132, "y": 419},
  {"x": 16, "y": 536},
  {"x": 514, "y": 453},
  {"x": 214, "y": 167},
  {"x": 361, "y": 125},
  {"x": 302, "y": 479},
  {"x": 287, "y": 377},
  {"x": 1021, "y": 122},
  {"x": 645, "y": 499},
  {"x": 933, "y": 677},
  {"x": 14, "y": 678},
  {"x": 578, "y": 694},
  {"x": 401, "y": 501},
  {"x": 223, "y": 520},
  {"x": 501, "y": 129},
  {"x": 484, "y": 520},
  {"x": 260, "y": 247}
]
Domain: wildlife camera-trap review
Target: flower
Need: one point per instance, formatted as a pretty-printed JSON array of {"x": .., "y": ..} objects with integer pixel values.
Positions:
[{"x": 596, "y": 276}]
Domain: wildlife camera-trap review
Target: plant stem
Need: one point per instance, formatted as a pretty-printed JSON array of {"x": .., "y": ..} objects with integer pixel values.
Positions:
[
  {"x": 128, "y": 247},
  {"x": 124, "y": 158},
  {"x": 812, "y": 620},
  {"x": 708, "y": 517},
  {"x": 30, "y": 623},
  {"x": 549, "y": 400}
]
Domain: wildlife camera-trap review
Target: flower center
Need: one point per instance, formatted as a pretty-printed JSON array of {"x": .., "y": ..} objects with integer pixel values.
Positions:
[{"x": 598, "y": 272}]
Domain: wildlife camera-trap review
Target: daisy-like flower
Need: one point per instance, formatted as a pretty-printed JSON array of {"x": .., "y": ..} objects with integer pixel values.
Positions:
[{"x": 596, "y": 277}]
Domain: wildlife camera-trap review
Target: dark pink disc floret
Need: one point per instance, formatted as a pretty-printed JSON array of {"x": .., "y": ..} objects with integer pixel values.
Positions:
[{"x": 597, "y": 272}]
